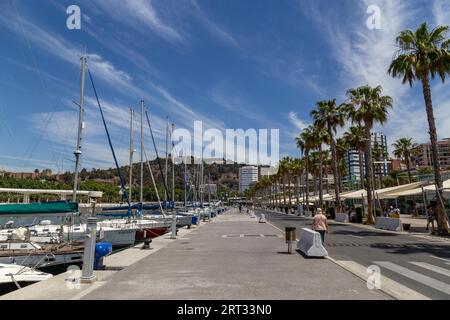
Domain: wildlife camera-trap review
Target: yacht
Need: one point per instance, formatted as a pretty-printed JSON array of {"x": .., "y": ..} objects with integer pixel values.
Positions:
[{"x": 13, "y": 277}]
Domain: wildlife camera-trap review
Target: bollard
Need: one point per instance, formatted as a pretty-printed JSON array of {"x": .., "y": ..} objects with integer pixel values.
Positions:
[
  {"x": 87, "y": 275},
  {"x": 147, "y": 243},
  {"x": 290, "y": 237}
]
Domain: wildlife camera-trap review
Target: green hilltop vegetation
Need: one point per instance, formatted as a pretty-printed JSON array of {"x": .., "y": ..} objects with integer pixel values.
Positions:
[{"x": 107, "y": 180}]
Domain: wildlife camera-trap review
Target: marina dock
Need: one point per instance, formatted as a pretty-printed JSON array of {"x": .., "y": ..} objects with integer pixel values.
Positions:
[{"x": 231, "y": 257}]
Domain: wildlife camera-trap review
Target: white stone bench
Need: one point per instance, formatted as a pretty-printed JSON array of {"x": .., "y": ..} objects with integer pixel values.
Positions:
[
  {"x": 310, "y": 243},
  {"x": 391, "y": 224},
  {"x": 341, "y": 217}
]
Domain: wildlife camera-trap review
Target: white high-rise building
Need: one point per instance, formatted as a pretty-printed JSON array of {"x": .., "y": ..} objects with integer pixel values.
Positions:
[{"x": 247, "y": 176}]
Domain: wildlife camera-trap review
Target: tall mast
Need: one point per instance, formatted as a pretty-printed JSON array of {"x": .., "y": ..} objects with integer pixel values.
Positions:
[
  {"x": 141, "y": 194},
  {"x": 201, "y": 182},
  {"x": 209, "y": 188},
  {"x": 185, "y": 183},
  {"x": 174, "y": 212},
  {"x": 131, "y": 152},
  {"x": 167, "y": 154},
  {"x": 173, "y": 165},
  {"x": 77, "y": 151}
]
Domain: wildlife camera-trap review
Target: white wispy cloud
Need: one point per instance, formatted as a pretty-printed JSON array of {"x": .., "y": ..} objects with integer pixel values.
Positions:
[
  {"x": 129, "y": 11},
  {"x": 213, "y": 27},
  {"x": 298, "y": 123},
  {"x": 67, "y": 51},
  {"x": 364, "y": 57}
]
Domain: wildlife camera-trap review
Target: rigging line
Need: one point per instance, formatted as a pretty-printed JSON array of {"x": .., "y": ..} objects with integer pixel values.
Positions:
[
  {"x": 157, "y": 156},
  {"x": 122, "y": 184},
  {"x": 154, "y": 183},
  {"x": 30, "y": 150},
  {"x": 43, "y": 130}
]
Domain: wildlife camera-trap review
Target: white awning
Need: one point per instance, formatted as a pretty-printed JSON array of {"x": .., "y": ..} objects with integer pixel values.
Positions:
[
  {"x": 385, "y": 193},
  {"x": 417, "y": 191}
]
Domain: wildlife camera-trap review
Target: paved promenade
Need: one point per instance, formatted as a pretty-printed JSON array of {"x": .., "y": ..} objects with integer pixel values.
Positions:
[{"x": 231, "y": 257}]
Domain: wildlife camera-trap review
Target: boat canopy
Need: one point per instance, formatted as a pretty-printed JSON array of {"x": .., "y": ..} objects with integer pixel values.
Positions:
[{"x": 30, "y": 209}]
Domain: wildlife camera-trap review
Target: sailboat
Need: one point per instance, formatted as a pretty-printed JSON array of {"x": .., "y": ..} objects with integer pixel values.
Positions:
[
  {"x": 13, "y": 277},
  {"x": 20, "y": 245}
]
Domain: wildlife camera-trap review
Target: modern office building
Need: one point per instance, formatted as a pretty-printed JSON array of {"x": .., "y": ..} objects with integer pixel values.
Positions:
[
  {"x": 424, "y": 159},
  {"x": 353, "y": 168},
  {"x": 267, "y": 171},
  {"x": 248, "y": 175},
  {"x": 379, "y": 156}
]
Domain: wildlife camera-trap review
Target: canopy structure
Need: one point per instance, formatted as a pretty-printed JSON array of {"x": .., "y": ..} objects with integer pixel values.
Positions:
[
  {"x": 430, "y": 189},
  {"x": 385, "y": 193},
  {"x": 44, "y": 208}
]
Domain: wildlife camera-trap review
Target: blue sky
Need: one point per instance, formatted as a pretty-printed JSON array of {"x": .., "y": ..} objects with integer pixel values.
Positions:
[{"x": 232, "y": 64}]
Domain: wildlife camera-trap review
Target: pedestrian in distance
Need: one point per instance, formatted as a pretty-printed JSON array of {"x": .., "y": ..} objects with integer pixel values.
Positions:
[
  {"x": 320, "y": 224},
  {"x": 430, "y": 219}
]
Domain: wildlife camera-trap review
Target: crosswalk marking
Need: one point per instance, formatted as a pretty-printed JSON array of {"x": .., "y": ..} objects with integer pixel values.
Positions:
[
  {"x": 446, "y": 260},
  {"x": 430, "y": 282},
  {"x": 431, "y": 267},
  {"x": 389, "y": 286}
]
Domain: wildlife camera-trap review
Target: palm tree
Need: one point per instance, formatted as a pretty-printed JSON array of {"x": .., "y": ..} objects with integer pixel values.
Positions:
[
  {"x": 341, "y": 150},
  {"x": 305, "y": 142},
  {"x": 423, "y": 53},
  {"x": 355, "y": 139},
  {"x": 285, "y": 171},
  {"x": 321, "y": 137},
  {"x": 297, "y": 168},
  {"x": 405, "y": 148},
  {"x": 329, "y": 116},
  {"x": 379, "y": 153},
  {"x": 367, "y": 105}
]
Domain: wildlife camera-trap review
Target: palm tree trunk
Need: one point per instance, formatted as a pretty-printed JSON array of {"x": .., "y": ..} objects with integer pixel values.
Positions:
[
  {"x": 361, "y": 175},
  {"x": 307, "y": 179},
  {"x": 408, "y": 168},
  {"x": 442, "y": 215},
  {"x": 320, "y": 177},
  {"x": 284, "y": 190},
  {"x": 369, "y": 174},
  {"x": 289, "y": 190},
  {"x": 297, "y": 190},
  {"x": 335, "y": 170}
]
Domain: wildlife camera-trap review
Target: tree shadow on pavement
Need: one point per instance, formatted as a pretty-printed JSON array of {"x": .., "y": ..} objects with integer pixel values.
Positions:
[
  {"x": 442, "y": 251},
  {"x": 363, "y": 233}
]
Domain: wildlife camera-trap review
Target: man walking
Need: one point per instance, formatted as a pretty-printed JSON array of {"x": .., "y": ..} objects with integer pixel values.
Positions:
[{"x": 320, "y": 224}]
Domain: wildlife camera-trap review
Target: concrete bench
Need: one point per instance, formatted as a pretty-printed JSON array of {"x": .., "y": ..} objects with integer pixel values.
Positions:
[
  {"x": 341, "y": 217},
  {"x": 310, "y": 243},
  {"x": 391, "y": 224}
]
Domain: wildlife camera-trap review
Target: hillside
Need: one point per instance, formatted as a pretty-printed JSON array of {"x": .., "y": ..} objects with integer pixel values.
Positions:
[{"x": 107, "y": 180}]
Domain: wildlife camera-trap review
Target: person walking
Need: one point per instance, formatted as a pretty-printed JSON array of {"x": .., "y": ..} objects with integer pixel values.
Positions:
[
  {"x": 320, "y": 224},
  {"x": 430, "y": 219}
]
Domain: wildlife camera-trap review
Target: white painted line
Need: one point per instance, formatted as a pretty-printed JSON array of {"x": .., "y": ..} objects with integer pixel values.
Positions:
[
  {"x": 446, "y": 260},
  {"x": 431, "y": 267},
  {"x": 388, "y": 286},
  {"x": 241, "y": 235},
  {"x": 88, "y": 290},
  {"x": 430, "y": 282},
  {"x": 356, "y": 236}
]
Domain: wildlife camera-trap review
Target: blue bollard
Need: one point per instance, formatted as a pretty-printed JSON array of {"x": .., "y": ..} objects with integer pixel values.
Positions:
[{"x": 102, "y": 249}]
